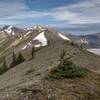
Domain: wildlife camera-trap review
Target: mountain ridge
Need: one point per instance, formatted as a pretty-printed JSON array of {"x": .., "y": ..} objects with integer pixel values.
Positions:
[{"x": 32, "y": 74}]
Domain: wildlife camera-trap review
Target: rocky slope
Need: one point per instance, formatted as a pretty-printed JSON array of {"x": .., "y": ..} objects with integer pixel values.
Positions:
[
  {"x": 31, "y": 75},
  {"x": 28, "y": 80}
]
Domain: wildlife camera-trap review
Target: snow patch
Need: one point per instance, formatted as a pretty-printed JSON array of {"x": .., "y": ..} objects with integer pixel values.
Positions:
[
  {"x": 2, "y": 31},
  {"x": 39, "y": 28},
  {"x": 9, "y": 30},
  {"x": 37, "y": 46},
  {"x": 13, "y": 33},
  {"x": 29, "y": 28},
  {"x": 20, "y": 38},
  {"x": 10, "y": 27},
  {"x": 63, "y": 37},
  {"x": 29, "y": 44},
  {"x": 35, "y": 27},
  {"x": 27, "y": 33},
  {"x": 42, "y": 39},
  {"x": 24, "y": 47},
  {"x": 84, "y": 41}
]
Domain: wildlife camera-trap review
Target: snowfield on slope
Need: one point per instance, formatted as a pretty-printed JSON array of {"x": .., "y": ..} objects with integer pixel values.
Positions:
[
  {"x": 63, "y": 37},
  {"x": 42, "y": 39}
]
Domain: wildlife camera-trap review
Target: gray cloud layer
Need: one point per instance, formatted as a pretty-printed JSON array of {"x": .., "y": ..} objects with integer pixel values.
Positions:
[{"x": 82, "y": 16}]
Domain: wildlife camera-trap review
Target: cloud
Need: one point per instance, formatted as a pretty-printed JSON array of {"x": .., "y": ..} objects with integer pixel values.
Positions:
[
  {"x": 11, "y": 8},
  {"x": 73, "y": 16},
  {"x": 80, "y": 13},
  {"x": 80, "y": 17},
  {"x": 16, "y": 11}
]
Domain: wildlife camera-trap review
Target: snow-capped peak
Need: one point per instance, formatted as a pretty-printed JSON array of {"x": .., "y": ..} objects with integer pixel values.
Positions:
[
  {"x": 39, "y": 28},
  {"x": 9, "y": 30},
  {"x": 12, "y": 31},
  {"x": 84, "y": 41},
  {"x": 35, "y": 26},
  {"x": 30, "y": 28},
  {"x": 63, "y": 37},
  {"x": 10, "y": 27}
]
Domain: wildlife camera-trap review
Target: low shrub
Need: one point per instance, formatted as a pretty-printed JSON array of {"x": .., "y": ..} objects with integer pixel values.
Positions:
[
  {"x": 13, "y": 63},
  {"x": 3, "y": 70},
  {"x": 17, "y": 60},
  {"x": 33, "y": 52},
  {"x": 3, "y": 67},
  {"x": 67, "y": 70},
  {"x": 20, "y": 59}
]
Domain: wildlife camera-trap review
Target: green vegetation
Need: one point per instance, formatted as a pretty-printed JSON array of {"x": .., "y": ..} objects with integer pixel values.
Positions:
[
  {"x": 33, "y": 52},
  {"x": 75, "y": 44},
  {"x": 67, "y": 69},
  {"x": 13, "y": 61},
  {"x": 18, "y": 60},
  {"x": 3, "y": 67},
  {"x": 72, "y": 43},
  {"x": 84, "y": 46}
]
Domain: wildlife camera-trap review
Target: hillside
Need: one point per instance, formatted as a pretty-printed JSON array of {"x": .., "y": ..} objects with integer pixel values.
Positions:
[
  {"x": 49, "y": 50},
  {"x": 28, "y": 80},
  {"x": 31, "y": 73}
]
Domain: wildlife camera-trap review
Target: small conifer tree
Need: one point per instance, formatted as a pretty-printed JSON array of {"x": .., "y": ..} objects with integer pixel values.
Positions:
[
  {"x": 5, "y": 64},
  {"x": 13, "y": 60},
  {"x": 20, "y": 59},
  {"x": 33, "y": 52},
  {"x": 62, "y": 55},
  {"x": 4, "y": 67}
]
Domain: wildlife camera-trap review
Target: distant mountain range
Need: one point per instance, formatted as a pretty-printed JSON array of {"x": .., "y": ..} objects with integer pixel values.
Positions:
[
  {"x": 38, "y": 36},
  {"x": 91, "y": 41}
]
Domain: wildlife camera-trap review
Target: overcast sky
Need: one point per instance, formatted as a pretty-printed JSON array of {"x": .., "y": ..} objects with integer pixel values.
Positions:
[{"x": 75, "y": 16}]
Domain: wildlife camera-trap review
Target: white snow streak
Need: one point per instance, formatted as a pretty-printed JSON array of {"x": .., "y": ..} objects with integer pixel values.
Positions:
[
  {"x": 24, "y": 47},
  {"x": 63, "y": 37},
  {"x": 35, "y": 27},
  {"x": 27, "y": 33}
]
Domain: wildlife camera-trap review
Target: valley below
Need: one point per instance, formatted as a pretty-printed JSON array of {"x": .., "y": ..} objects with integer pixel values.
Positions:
[{"x": 95, "y": 51}]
